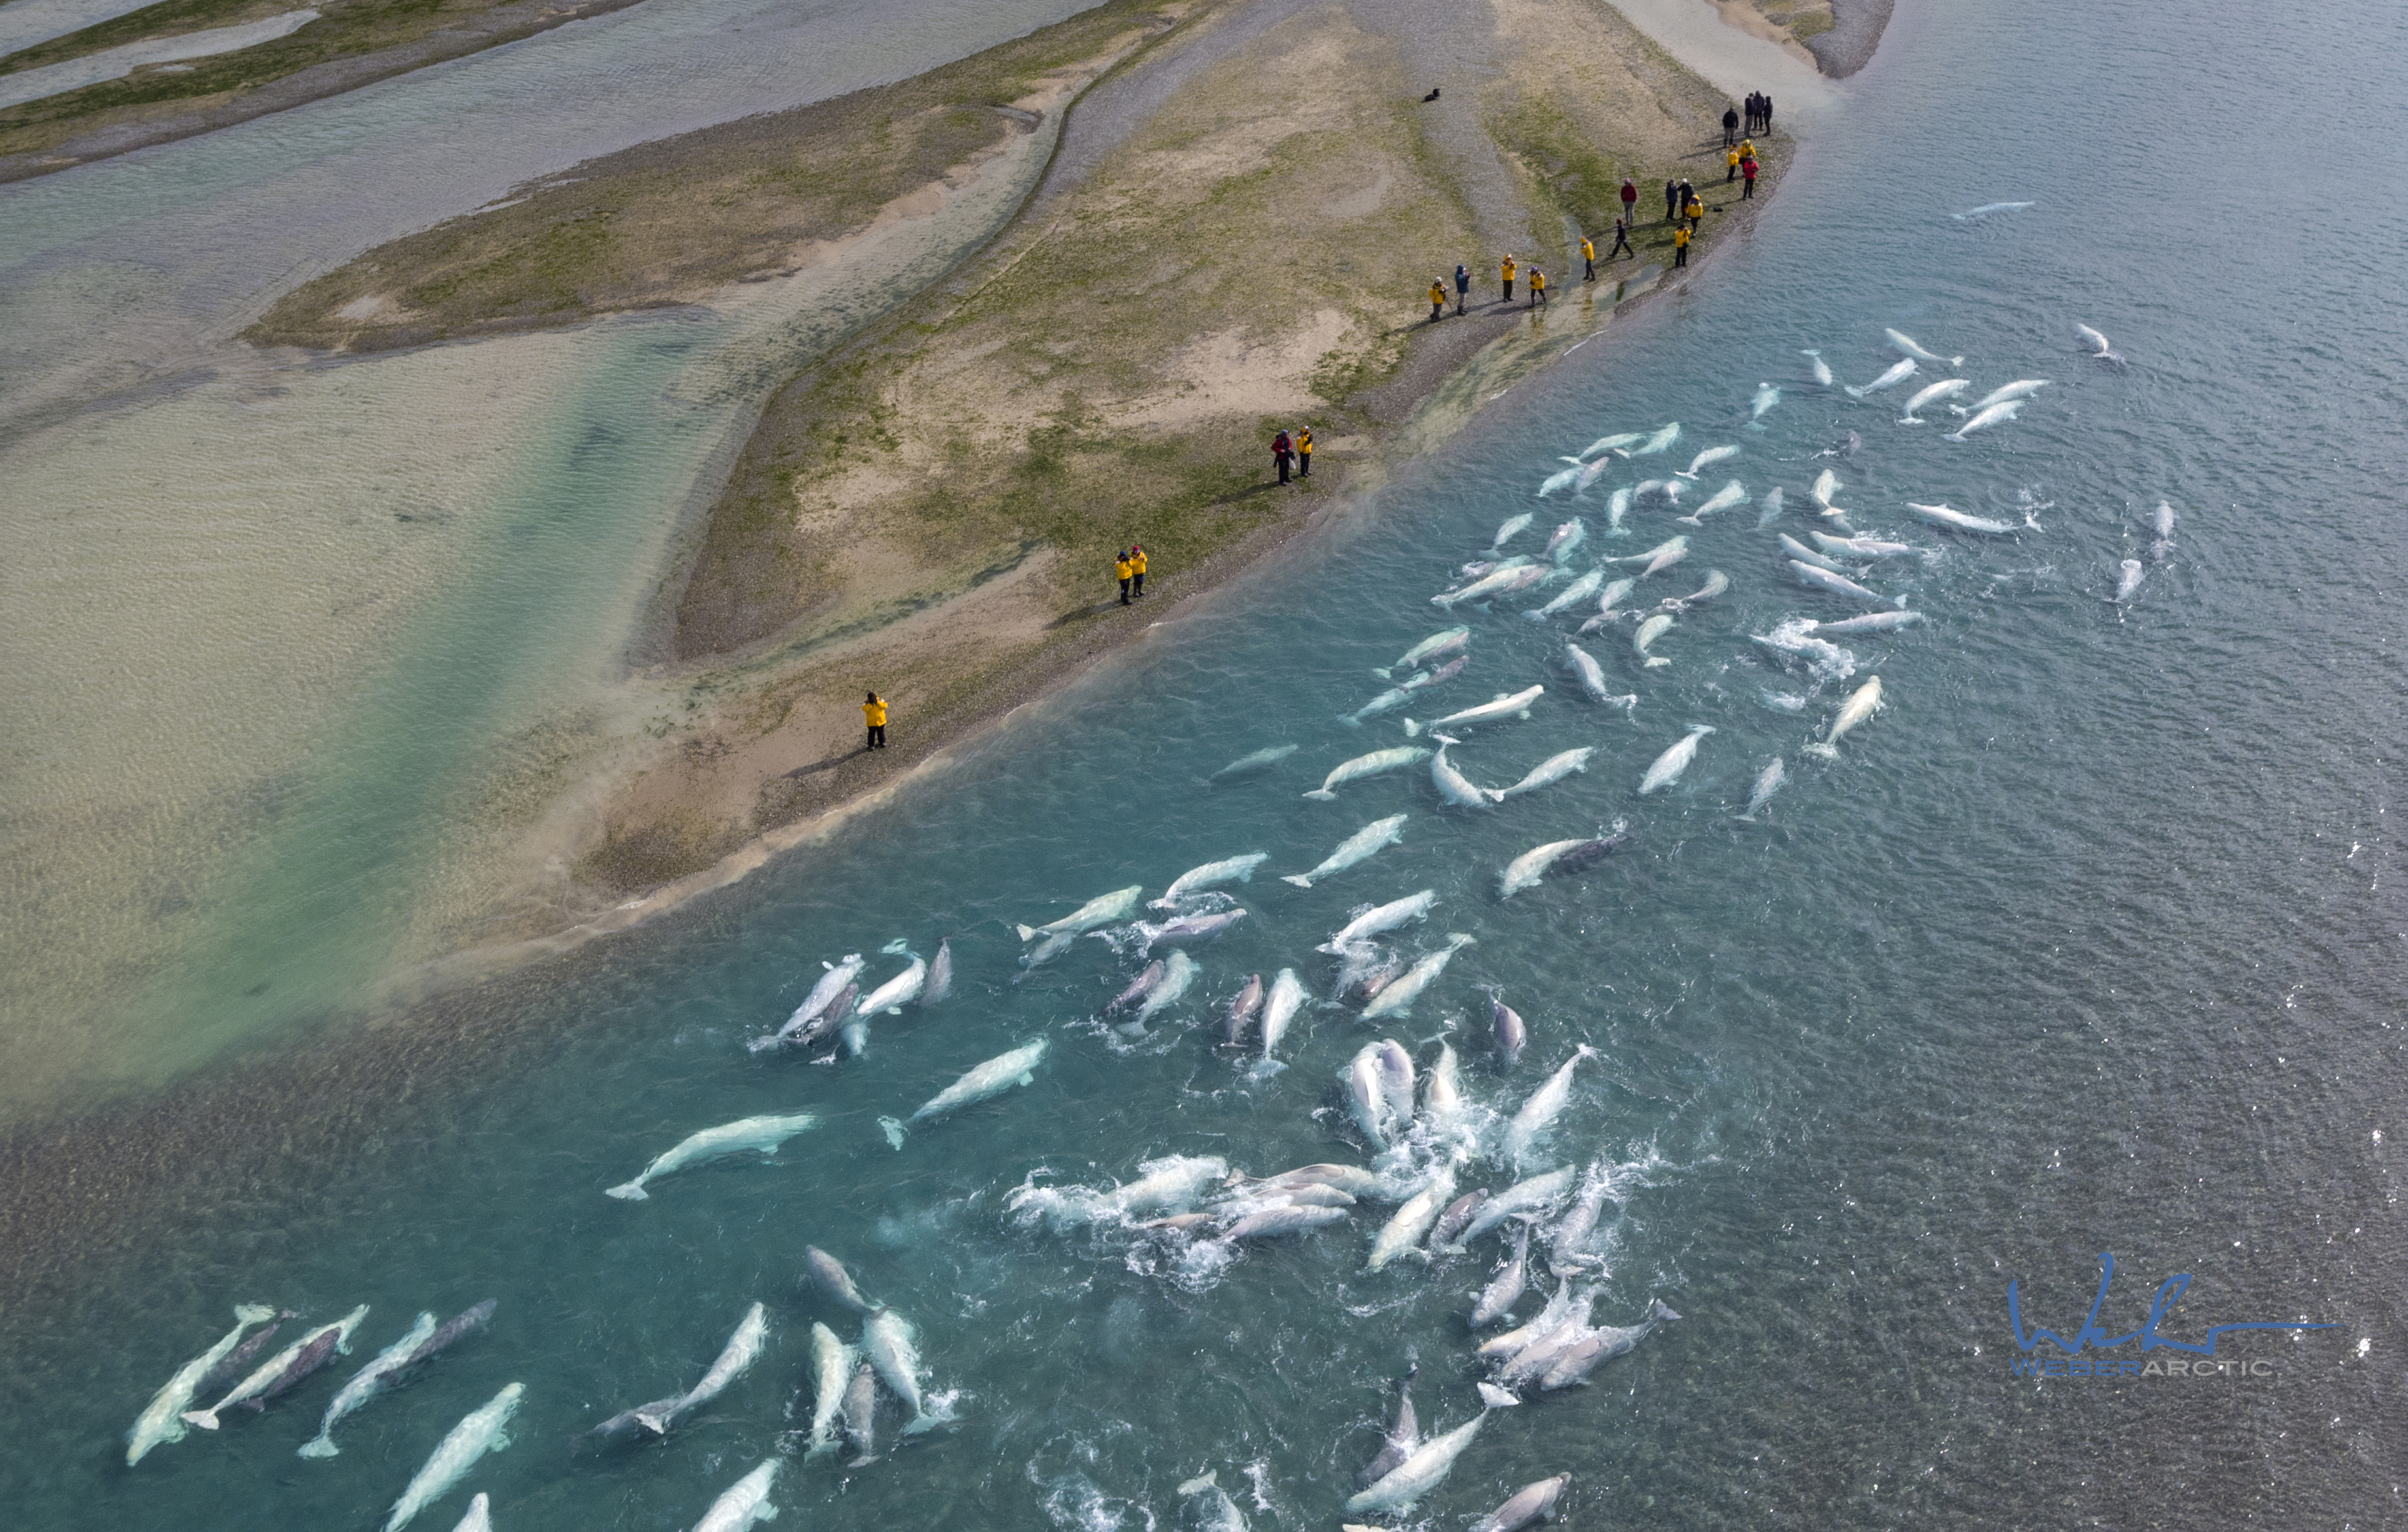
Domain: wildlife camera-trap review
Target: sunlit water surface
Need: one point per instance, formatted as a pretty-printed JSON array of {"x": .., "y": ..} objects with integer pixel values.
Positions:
[{"x": 2088, "y": 942}]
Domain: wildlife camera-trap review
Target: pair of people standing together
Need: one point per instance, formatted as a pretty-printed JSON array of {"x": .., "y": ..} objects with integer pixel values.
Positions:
[
  {"x": 1296, "y": 450},
  {"x": 1129, "y": 565}
]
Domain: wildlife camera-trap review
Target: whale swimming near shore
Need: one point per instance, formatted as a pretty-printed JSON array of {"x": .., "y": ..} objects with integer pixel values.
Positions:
[
  {"x": 1607, "y": 444},
  {"x": 482, "y": 1430},
  {"x": 744, "y": 1135},
  {"x": 1377, "y": 764},
  {"x": 1504, "y": 705},
  {"x": 1211, "y": 875},
  {"x": 1398, "y": 997},
  {"x": 1354, "y": 849},
  {"x": 1721, "y": 499},
  {"x": 313, "y": 1350},
  {"x": 1262, "y": 759},
  {"x": 1446, "y": 641},
  {"x": 1526, "y": 870},
  {"x": 162, "y": 1419},
  {"x": 1839, "y": 585},
  {"x": 981, "y": 1083},
  {"x": 1102, "y": 910},
  {"x": 1906, "y": 345},
  {"x": 812, "y": 1018},
  {"x": 1896, "y": 375},
  {"x": 1456, "y": 789},
  {"x": 1553, "y": 769},
  {"x": 1711, "y": 455}
]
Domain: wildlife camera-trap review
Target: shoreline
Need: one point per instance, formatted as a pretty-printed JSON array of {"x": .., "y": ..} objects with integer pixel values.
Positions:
[{"x": 78, "y": 1174}]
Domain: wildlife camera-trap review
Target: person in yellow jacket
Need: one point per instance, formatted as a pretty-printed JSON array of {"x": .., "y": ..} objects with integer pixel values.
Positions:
[
  {"x": 1538, "y": 287},
  {"x": 873, "y": 712},
  {"x": 1124, "y": 570},
  {"x": 1438, "y": 300},
  {"x": 1588, "y": 259},
  {"x": 1137, "y": 569},
  {"x": 1509, "y": 270},
  {"x": 1695, "y": 212},
  {"x": 1681, "y": 244},
  {"x": 1303, "y": 454},
  {"x": 1730, "y": 161},
  {"x": 1747, "y": 148}
]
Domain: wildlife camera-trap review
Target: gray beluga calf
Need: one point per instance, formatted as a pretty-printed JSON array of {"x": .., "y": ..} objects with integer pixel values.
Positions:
[
  {"x": 1984, "y": 419},
  {"x": 859, "y": 1412},
  {"x": 1673, "y": 763},
  {"x": 1506, "y": 1026},
  {"x": 888, "y": 1341},
  {"x": 1178, "y": 972},
  {"x": 1536, "y": 1197},
  {"x": 831, "y": 1366},
  {"x": 1931, "y": 394},
  {"x": 1371, "y": 922},
  {"x": 1260, "y": 761},
  {"x": 1647, "y": 633},
  {"x": 1553, "y": 769},
  {"x": 1528, "y": 1504},
  {"x": 1183, "y": 929},
  {"x": 1528, "y": 1365},
  {"x": 1839, "y": 585},
  {"x": 1211, "y": 875},
  {"x": 1287, "y": 998},
  {"x": 1707, "y": 458},
  {"x": 1906, "y": 345},
  {"x": 1445, "y": 642},
  {"x": 1102, "y": 910},
  {"x": 1209, "y": 1508},
  {"x": 1563, "y": 540},
  {"x": 236, "y": 1363},
  {"x": 1401, "y": 1439},
  {"x": 744, "y": 1503},
  {"x": 1539, "y": 1113},
  {"x": 1413, "y": 1220},
  {"x": 162, "y": 1419},
  {"x": 1377, "y": 764},
  {"x": 1356, "y": 848},
  {"x": 826, "y": 1273},
  {"x": 1138, "y": 988},
  {"x": 984, "y": 1082},
  {"x": 1504, "y": 705},
  {"x": 1942, "y": 515},
  {"x": 1244, "y": 1010},
  {"x": 1526, "y": 870},
  {"x": 2128, "y": 580},
  {"x": 751, "y": 1134},
  {"x": 1896, "y": 375},
  {"x": 1820, "y": 369},
  {"x": 1450, "y": 1224},
  {"x": 742, "y": 1350},
  {"x": 1602, "y": 1345},
  {"x": 311, "y": 1351},
  {"x": 1506, "y": 1288},
  {"x": 940, "y": 974},
  {"x": 366, "y": 1384},
  {"x": 1721, "y": 499},
  {"x": 482, "y": 1430},
  {"x": 1456, "y": 789},
  {"x": 1396, "y": 1082},
  {"x": 815, "y": 1005},
  {"x": 1571, "y": 596},
  {"x": 1419, "y": 1473},
  {"x": 1767, "y": 782},
  {"x": 1861, "y": 705},
  {"x": 1397, "y": 998}
]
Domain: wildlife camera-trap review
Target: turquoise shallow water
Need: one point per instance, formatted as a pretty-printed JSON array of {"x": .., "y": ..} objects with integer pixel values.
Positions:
[{"x": 2089, "y": 942}]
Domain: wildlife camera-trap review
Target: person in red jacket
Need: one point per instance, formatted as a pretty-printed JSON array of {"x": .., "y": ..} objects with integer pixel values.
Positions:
[
  {"x": 1629, "y": 203},
  {"x": 1747, "y": 168},
  {"x": 1280, "y": 451}
]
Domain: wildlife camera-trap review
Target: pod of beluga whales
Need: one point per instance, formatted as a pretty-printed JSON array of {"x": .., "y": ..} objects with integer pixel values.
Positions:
[{"x": 1452, "y": 1171}]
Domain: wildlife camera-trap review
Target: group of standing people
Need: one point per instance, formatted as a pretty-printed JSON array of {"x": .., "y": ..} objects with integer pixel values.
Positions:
[
  {"x": 1129, "y": 565},
  {"x": 1286, "y": 449},
  {"x": 1759, "y": 119}
]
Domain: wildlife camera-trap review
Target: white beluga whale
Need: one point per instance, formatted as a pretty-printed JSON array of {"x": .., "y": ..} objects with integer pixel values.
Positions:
[
  {"x": 1658, "y": 441},
  {"x": 1866, "y": 547},
  {"x": 1861, "y": 705},
  {"x": 1504, "y": 705},
  {"x": 1377, "y": 764},
  {"x": 1178, "y": 972},
  {"x": 1535, "y": 1197},
  {"x": 1379, "y": 917},
  {"x": 2128, "y": 580},
  {"x": 2164, "y": 526},
  {"x": 1817, "y": 366},
  {"x": 1397, "y": 998},
  {"x": 742, "y": 1350},
  {"x": 832, "y": 1365},
  {"x": 2100, "y": 350},
  {"x": 1211, "y": 875},
  {"x": 1412, "y": 1219},
  {"x": 1711, "y": 456},
  {"x": 1721, "y": 499},
  {"x": 482, "y": 1430},
  {"x": 984, "y": 1082},
  {"x": 1506, "y": 1288},
  {"x": 1457, "y": 790},
  {"x": 1607, "y": 444},
  {"x": 1942, "y": 515},
  {"x": 1617, "y": 505},
  {"x": 1932, "y": 394},
  {"x": 1906, "y": 345},
  {"x": 1767, "y": 397},
  {"x": 1261, "y": 761},
  {"x": 1563, "y": 540},
  {"x": 162, "y": 1419},
  {"x": 1561, "y": 478},
  {"x": 1102, "y": 910},
  {"x": 1553, "y": 769},
  {"x": 1287, "y": 997},
  {"x": 1768, "y": 508},
  {"x": 1987, "y": 209},
  {"x": 751, "y": 1134},
  {"x": 1985, "y": 419},
  {"x": 1648, "y": 633},
  {"x": 1510, "y": 528},
  {"x": 1539, "y": 1113},
  {"x": 803, "y": 1022},
  {"x": 1527, "y": 1505},
  {"x": 1215, "y": 1511},
  {"x": 2021, "y": 388},
  {"x": 1356, "y": 848},
  {"x": 891, "y": 1346},
  {"x": 1673, "y": 763},
  {"x": 745, "y": 1502},
  {"x": 1591, "y": 676},
  {"x": 1839, "y": 585},
  {"x": 366, "y": 1383},
  {"x": 1419, "y": 1473},
  {"x": 1896, "y": 375},
  {"x": 1445, "y": 642},
  {"x": 1572, "y": 595},
  {"x": 1767, "y": 782},
  {"x": 1805, "y": 555},
  {"x": 1872, "y": 622},
  {"x": 315, "y": 1348},
  {"x": 1526, "y": 870}
]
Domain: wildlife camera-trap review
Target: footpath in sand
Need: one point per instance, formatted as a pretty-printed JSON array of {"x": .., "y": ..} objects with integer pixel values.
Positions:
[{"x": 1248, "y": 203}]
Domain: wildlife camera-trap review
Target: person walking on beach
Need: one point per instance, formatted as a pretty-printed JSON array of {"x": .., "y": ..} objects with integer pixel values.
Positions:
[
  {"x": 873, "y": 712},
  {"x": 1730, "y": 126},
  {"x": 1462, "y": 285},
  {"x": 1671, "y": 201},
  {"x": 1507, "y": 270},
  {"x": 1680, "y": 244},
  {"x": 1438, "y": 302},
  {"x": 1303, "y": 455},
  {"x": 1124, "y": 570},
  {"x": 1629, "y": 201},
  {"x": 1747, "y": 168},
  {"x": 1280, "y": 451},
  {"x": 1538, "y": 287},
  {"x": 1588, "y": 259},
  {"x": 1137, "y": 570},
  {"x": 1621, "y": 241}
]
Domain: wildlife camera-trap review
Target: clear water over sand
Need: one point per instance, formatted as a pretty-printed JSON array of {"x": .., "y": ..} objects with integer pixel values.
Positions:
[{"x": 2088, "y": 943}]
